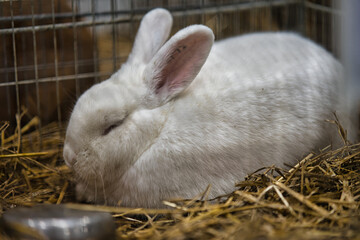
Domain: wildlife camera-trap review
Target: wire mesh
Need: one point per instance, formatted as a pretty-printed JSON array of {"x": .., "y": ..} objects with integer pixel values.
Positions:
[{"x": 52, "y": 51}]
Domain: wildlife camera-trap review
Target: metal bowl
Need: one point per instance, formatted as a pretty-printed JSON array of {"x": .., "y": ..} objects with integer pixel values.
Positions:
[{"x": 57, "y": 222}]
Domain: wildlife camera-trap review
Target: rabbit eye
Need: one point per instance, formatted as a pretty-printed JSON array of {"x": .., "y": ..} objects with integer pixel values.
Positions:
[
  {"x": 115, "y": 124},
  {"x": 110, "y": 128}
]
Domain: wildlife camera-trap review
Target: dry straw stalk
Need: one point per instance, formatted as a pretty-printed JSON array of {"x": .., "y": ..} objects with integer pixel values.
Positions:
[{"x": 316, "y": 199}]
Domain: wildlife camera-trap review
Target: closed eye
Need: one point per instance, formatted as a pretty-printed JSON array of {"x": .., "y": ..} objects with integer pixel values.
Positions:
[{"x": 111, "y": 127}]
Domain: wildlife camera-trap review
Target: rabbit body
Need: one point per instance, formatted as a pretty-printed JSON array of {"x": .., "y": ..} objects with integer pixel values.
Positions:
[{"x": 259, "y": 100}]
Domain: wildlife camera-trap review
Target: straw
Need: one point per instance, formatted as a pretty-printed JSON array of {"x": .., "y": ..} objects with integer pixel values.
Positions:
[{"x": 316, "y": 199}]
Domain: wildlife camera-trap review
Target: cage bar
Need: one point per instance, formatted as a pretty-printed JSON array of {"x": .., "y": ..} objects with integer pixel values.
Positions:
[{"x": 112, "y": 25}]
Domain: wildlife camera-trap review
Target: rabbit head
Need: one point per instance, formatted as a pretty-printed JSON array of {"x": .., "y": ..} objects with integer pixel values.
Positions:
[{"x": 113, "y": 122}]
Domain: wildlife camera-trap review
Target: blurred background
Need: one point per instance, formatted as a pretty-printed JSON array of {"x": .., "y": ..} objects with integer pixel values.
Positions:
[{"x": 53, "y": 50}]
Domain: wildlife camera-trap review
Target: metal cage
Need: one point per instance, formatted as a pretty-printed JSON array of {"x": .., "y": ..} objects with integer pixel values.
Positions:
[{"x": 53, "y": 50}]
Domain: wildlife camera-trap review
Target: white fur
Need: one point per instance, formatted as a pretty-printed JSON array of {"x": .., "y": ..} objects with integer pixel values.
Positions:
[{"x": 259, "y": 99}]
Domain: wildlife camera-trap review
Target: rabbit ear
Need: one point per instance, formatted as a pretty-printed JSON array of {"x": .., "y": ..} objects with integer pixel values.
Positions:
[
  {"x": 153, "y": 31},
  {"x": 177, "y": 63}
]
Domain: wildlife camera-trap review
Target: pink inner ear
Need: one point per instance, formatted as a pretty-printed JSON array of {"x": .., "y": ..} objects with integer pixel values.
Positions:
[
  {"x": 180, "y": 66},
  {"x": 173, "y": 77}
]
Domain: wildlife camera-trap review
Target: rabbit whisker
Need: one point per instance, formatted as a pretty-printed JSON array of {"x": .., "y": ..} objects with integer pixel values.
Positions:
[
  {"x": 104, "y": 192},
  {"x": 95, "y": 186},
  {"x": 83, "y": 191}
]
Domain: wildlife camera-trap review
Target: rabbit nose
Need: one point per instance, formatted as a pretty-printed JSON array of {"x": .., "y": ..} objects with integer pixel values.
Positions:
[{"x": 69, "y": 156}]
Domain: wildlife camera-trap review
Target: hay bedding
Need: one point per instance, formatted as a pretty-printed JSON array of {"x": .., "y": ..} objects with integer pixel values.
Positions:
[{"x": 316, "y": 199}]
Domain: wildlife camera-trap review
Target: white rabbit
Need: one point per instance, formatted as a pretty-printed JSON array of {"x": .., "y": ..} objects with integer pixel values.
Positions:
[{"x": 177, "y": 117}]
